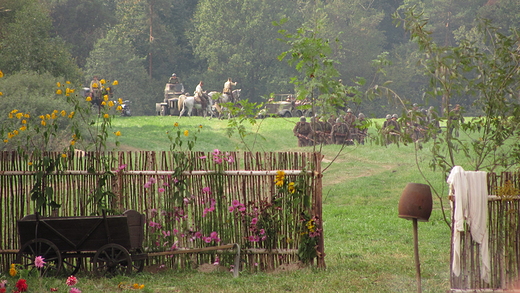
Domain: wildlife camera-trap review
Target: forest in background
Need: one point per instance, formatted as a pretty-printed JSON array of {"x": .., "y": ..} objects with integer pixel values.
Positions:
[{"x": 142, "y": 42}]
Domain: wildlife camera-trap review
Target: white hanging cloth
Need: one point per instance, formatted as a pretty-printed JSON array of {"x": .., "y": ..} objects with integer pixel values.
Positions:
[{"x": 469, "y": 188}]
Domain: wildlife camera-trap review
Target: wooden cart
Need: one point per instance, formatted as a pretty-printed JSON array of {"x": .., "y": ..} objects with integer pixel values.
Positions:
[{"x": 113, "y": 243}]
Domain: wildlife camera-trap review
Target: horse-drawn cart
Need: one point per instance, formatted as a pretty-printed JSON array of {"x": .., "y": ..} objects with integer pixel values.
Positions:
[{"x": 113, "y": 243}]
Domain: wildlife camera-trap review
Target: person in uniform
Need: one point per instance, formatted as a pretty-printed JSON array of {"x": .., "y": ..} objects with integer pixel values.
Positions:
[
  {"x": 327, "y": 129},
  {"x": 174, "y": 79},
  {"x": 200, "y": 96},
  {"x": 317, "y": 130},
  {"x": 350, "y": 118},
  {"x": 95, "y": 91},
  {"x": 303, "y": 131},
  {"x": 361, "y": 128},
  {"x": 228, "y": 89},
  {"x": 340, "y": 132}
]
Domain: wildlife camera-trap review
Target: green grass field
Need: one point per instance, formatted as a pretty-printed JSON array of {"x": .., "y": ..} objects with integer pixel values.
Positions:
[{"x": 368, "y": 247}]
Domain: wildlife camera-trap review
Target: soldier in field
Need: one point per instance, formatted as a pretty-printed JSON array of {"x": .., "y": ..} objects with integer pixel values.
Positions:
[
  {"x": 303, "y": 131},
  {"x": 340, "y": 132}
]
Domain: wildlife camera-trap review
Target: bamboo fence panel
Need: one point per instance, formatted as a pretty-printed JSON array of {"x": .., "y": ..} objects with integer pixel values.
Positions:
[
  {"x": 504, "y": 243},
  {"x": 144, "y": 181}
]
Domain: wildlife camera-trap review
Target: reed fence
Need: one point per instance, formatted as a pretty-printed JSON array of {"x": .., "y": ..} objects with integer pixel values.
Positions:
[
  {"x": 504, "y": 241},
  {"x": 180, "y": 219}
]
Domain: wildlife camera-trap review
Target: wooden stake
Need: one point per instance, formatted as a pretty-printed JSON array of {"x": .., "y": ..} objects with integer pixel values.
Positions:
[{"x": 416, "y": 253}]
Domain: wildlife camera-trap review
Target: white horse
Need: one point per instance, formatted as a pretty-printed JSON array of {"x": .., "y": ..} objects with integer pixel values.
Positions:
[
  {"x": 189, "y": 102},
  {"x": 223, "y": 99}
]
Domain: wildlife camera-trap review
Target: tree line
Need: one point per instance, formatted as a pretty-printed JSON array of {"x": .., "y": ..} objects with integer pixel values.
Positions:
[{"x": 142, "y": 42}]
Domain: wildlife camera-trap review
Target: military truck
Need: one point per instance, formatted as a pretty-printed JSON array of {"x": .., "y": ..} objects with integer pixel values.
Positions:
[
  {"x": 283, "y": 105},
  {"x": 169, "y": 106}
]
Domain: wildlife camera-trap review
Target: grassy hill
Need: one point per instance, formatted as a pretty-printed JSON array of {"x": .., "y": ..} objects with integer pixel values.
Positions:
[{"x": 369, "y": 249}]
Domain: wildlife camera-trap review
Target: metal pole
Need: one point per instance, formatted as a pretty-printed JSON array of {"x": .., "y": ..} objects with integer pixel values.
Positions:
[{"x": 416, "y": 253}]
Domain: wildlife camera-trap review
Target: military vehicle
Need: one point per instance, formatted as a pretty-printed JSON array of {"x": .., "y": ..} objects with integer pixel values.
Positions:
[
  {"x": 283, "y": 105},
  {"x": 169, "y": 106}
]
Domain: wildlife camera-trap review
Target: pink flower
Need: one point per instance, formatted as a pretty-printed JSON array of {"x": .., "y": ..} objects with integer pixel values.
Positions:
[
  {"x": 262, "y": 231},
  {"x": 231, "y": 208},
  {"x": 161, "y": 190},
  {"x": 236, "y": 203},
  {"x": 122, "y": 166},
  {"x": 207, "y": 239},
  {"x": 213, "y": 235},
  {"x": 175, "y": 231},
  {"x": 71, "y": 281},
  {"x": 254, "y": 221},
  {"x": 198, "y": 234},
  {"x": 203, "y": 157},
  {"x": 242, "y": 208},
  {"x": 230, "y": 159},
  {"x": 217, "y": 261},
  {"x": 166, "y": 233},
  {"x": 74, "y": 290},
  {"x": 152, "y": 180},
  {"x": 216, "y": 152},
  {"x": 206, "y": 190},
  {"x": 38, "y": 262},
  {"x": 217, "y": 160}
]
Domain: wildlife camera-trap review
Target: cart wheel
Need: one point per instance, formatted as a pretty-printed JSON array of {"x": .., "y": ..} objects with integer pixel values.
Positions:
[
  {"x": 138, "y": 265},
  {"x": 70, "y": 265},
  {"x": 112, "y": 260},
  {"x": 44, "y": 248}
]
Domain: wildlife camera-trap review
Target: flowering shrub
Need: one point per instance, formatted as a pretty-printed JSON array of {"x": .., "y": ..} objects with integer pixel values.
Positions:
[{"x": 34, "y": 134}]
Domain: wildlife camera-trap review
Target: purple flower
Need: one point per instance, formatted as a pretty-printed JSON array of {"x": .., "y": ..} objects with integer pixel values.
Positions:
[
  {"x": 147, "y": 185},
  {"x": 39, "y": 262}
]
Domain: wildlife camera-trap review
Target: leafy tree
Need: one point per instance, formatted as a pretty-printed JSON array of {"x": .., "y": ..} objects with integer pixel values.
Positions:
[
  {"x": 113, "y": 58},
  {"x": 156, "y": 30},
  {"x": 356, "y": 26},
  {"x": 237, "y": 40},
  {"x": 81, "y": 23},
  {"x": 26, "y": 44}
]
